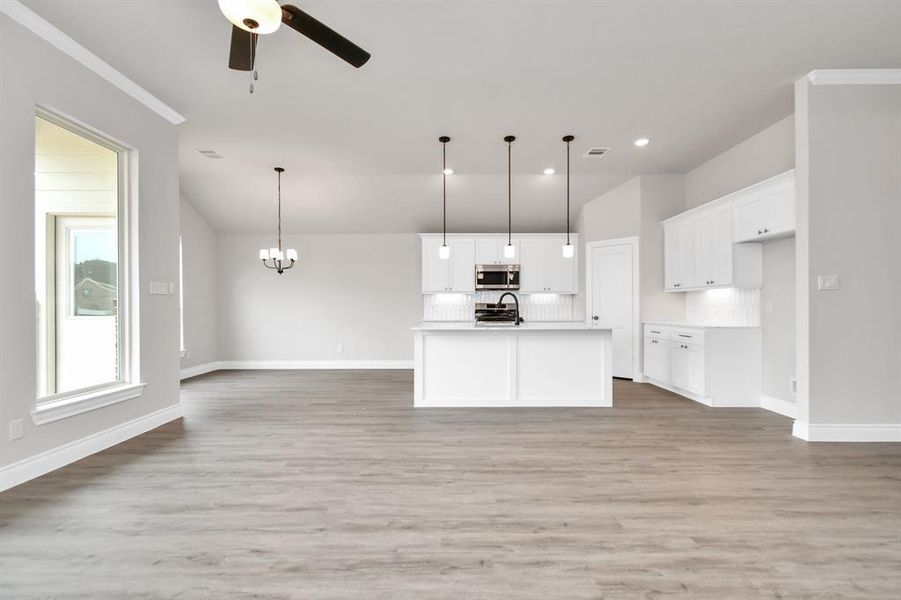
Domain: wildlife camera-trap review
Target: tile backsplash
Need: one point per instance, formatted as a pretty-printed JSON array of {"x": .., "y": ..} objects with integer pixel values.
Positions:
[
  {"x": 738, "y": 307},
  {"x": 532, "y": 307}
]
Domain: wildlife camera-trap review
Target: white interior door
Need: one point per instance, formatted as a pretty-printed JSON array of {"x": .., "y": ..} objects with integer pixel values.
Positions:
[{"x": 612, "y": 301}]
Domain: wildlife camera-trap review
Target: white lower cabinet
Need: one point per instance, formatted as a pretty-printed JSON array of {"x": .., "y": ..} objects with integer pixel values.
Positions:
[{"x": 717, "y": 366}]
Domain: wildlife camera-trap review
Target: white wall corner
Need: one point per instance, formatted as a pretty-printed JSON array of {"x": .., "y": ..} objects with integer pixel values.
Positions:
[
  {"x": 847, "y": 432},
  {"x": 777, "y": 405},
  {"x": 199, "y": 370},
  {"x": 42, "y": 28},
  {"x": 855, "y": 77},
  {"x": 41, "y": 464}
]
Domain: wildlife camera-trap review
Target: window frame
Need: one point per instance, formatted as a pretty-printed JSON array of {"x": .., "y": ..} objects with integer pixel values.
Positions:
[{"x": 53, "y": 407}]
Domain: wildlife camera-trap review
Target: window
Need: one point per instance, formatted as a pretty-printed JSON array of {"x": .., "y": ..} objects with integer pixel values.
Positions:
[{"x": 81, "y": 274}]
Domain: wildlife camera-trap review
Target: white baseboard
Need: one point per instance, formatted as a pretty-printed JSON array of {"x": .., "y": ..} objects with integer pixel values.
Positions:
[
  {"x": 706, "y": 401},
  {"x": 315, "y": 364},
  {"x": 199, "y": 370},
  {"x": 776, "y": 405},
  {"x": 29, "y": 468},
  {"x": 847, "y": 432}
]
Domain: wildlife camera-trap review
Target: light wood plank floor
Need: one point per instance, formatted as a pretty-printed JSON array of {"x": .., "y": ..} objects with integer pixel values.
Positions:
[{"x": 328, "y": 485}]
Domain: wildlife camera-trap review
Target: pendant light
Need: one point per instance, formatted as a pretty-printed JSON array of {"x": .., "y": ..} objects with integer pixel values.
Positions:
[
  {"x": 568, "y": 250},
  {"x": 509, "y": 249},
  {"x": 444, "y": 250},
  {"x": 274, "y": 258}
]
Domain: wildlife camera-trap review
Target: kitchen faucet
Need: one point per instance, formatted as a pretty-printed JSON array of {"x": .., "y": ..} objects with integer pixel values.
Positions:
[{"x": 500, "y": 302}]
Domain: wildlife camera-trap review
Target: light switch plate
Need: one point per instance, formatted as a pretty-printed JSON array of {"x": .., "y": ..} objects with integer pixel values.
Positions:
[
  {"x": 159, "y": 288},
  {"x": 828, "y": 282}
]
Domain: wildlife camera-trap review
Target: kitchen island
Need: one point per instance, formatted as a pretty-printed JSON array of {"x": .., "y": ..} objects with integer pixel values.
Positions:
[{"x": 533, "y": 364}]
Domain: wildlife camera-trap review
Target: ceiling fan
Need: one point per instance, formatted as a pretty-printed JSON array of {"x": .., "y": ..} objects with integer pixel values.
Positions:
[{"x": 252, "y": 18}]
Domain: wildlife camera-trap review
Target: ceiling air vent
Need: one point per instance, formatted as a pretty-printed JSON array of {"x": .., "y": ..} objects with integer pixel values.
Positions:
[
  {"x": 595, "y": 152},
  {"x": 210, "y": 153}
]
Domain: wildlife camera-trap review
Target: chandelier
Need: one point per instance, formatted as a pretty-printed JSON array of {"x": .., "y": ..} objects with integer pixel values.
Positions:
[{"x": 274, "y": 258}]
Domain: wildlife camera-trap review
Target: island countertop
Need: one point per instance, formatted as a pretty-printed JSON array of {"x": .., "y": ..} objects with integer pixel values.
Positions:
[{"x": 527, "y": 326}]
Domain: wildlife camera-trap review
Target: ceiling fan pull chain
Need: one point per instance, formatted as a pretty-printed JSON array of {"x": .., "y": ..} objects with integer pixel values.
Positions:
[{"x": 254, "y": 77}]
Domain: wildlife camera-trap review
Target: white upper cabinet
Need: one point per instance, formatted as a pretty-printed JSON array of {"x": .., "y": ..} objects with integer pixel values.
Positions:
[
  {"x": 490, "y": 251},
  {"x": 455, "y": 274},
  {"x": 540, "y": 256},
  {"x": 766, "y": 210},
  {"x": 543, "y": 267},
  {"x": 679, "y": 248},
  {"x": 702, "y": 247}
]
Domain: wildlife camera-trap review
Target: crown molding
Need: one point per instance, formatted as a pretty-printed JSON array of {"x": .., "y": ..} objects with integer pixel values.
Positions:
[
  {"x": 855, "y": 77},
  {"x": 27, "y": 18}
]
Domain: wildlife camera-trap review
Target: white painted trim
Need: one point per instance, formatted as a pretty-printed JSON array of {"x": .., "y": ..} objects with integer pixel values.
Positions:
[
  {"x": 777, "y": 405},
  {"x": 25, "y": 17},
  {"x": 315, "y": 364},
  {"x": 847, "y": 432},
  {"x": 198, "y": 370},
  {"x": 637, "y": 367},
  {"x": 855, "y": 77},
  {"x": 29, "y": 468},
  {"x": 49, "y": 411}
]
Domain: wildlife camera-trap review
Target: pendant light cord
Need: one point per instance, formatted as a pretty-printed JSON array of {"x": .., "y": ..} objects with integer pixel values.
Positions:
[
  {"x": 509, "y": 194},
  {"x": 567, "y": 193},
  {"x": 444, "y": 193}
]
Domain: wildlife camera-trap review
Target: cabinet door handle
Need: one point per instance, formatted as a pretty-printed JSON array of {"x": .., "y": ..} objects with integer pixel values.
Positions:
[
  {"x": 765, "y": 230},
  {"x": 759, "y": 231},
  {"x": 595, "y": 317}
]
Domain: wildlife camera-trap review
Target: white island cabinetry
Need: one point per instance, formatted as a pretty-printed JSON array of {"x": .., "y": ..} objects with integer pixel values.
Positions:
[{"x": 534, "y": 364}]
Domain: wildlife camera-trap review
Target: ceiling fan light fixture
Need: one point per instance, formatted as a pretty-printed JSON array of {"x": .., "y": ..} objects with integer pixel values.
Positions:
[{"x": 255, "y": 16}]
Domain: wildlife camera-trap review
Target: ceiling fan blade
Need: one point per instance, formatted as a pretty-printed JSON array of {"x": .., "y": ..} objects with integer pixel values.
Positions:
[
  {"x": 324, "y": 35},
  {"x": 243, "y": 51}
]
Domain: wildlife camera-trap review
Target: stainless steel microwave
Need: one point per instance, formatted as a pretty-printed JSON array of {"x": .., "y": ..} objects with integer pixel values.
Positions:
[{"x": 497, "y": 277}]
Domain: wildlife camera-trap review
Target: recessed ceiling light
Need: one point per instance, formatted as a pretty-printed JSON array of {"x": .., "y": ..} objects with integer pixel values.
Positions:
[
  {"x": 641, "y": 142},
  {"x": 549, "y": 171},
  {"x": 448, "y": 171}
]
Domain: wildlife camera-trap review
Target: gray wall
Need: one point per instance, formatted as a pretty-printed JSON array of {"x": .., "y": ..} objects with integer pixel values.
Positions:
[
  {"x": 611, "y": 215},
  {"x": 849, "y": 208},
  {"x": 200, "y": 292},
  {"x": 54, "y": 81},
  {"x": 761, "y": 156},
  {"x": 764, "y": 154},
  {"x": 662, "y": 196},
  {"x": 360, "y": 291}
]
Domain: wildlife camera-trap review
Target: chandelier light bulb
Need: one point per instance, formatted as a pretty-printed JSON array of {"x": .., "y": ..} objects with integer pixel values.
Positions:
[
  {"x": 264, "y": 254},
  {"x": 292, "y": 254}
]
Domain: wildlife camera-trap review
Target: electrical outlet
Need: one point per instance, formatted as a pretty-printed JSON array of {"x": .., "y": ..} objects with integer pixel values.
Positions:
[
  {"x": 793, "y": 385},
  {"x": 16, "y": 429},
  {"x": 828, "y": 282},
  {"x": 340, "y": 348}
]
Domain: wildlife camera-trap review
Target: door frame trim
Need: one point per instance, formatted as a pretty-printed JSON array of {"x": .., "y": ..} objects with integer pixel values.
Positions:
[{"x": 636, "y": 296}]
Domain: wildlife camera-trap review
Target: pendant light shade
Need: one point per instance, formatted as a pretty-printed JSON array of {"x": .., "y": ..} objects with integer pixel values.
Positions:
[
  {"x": 509, "y": 249},
  {"x": 444, "y": 249},
  {"x": 568, "y": 249},
  {"x": 275, "y": 258}
]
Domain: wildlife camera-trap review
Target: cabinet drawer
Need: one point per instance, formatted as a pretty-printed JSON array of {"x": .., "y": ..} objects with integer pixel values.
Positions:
[
  {"x": 657, "y": 331},
  {"x": 694, "y": 337}
]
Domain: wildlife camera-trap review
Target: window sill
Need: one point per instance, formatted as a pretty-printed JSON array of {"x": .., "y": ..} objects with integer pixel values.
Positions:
[{"x": 54, "y": 410}]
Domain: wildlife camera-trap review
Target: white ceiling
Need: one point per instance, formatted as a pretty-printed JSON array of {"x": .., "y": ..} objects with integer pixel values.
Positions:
[{"x": 360, "y": 146}]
